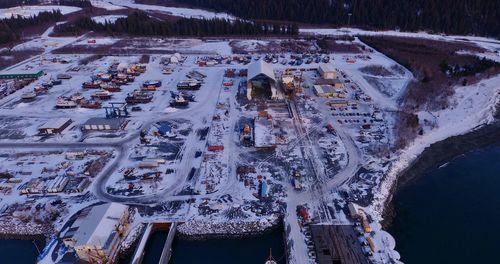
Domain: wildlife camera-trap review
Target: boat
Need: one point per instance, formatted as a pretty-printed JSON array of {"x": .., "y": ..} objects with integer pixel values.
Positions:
[
  {"x": 112, "y": 88},
  {"x": 77, "y": 97},
  {"x": 179, "y": 101},
  {"x": 55, "y": 81},
  {"x": 92, "y": 104},
  {"x": 28, "y": 96},
  {"x": 119, "y": 81},
  {"x": 270, "y": 260},
  {"x": 92, "y": 85},
  {"x": 105, "y": 77},
  {"x": 101, "y": 95},
  {"x": 62, "y": 76},
  {"x": 188, "y": 97},
  {"x": 155, "y": 83},
  {"x": 40, "y": 90},
  {"x": 130, "y": 78},
  {"x": 139, "y": 97},
  {"x": 189, "y": 85},
  {"x": 47, "y": 84},
  {"x": 150, "y": 88},
  {"x": 63, "y": 103},
  {"x": 167, "y": 71}
]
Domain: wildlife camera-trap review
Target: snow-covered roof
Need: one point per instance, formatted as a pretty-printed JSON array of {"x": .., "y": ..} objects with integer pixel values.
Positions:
[
  {"x": 99, "y": 225},
  {"x": 260, "y": 67},
  {"x": 55, "y": 123},
  {"x": 326, "y": 67}
]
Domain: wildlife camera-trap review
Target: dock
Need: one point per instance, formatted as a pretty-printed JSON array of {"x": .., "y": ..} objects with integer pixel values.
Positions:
[
  {"x": 167, "y": 248},
  {"x": 337, "y": 244}
]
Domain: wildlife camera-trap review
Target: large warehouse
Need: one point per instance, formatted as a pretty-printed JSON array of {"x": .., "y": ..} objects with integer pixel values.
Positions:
[
  {"x": 261, "y": 79},
  {"x": 96, "y": 234}
]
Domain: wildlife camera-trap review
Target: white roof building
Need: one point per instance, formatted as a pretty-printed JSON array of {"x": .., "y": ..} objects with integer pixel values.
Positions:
[
  {"x": 327, "y": 71},
  {"x": 260, "y": 67},
  {"x": 97, "y": 233},
  {"x": 55, "y": 126},
  {"x": 261, "y": 71}
]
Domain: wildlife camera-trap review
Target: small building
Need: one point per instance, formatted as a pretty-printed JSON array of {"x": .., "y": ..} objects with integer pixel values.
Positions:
[
  {"x": 327, "y": 71},
  {"x": 54, "y": 126},
  {"x": 148, "y": 164},
  {"x": 325, "y": 91},
  {"x": 97, "y": 232},
  {"x": 20, "y": 75},
  {"x": 338, "y": 103},
  {"x": 333, "y": 82},
  {"x": 104, "y": 124}
]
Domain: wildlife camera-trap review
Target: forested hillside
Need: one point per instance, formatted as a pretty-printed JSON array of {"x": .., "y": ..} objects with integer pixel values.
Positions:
[
  {"x": 11, "y": 28},
  {"x": 480, "y": 17},
  {"x": 141, "y": 24}
]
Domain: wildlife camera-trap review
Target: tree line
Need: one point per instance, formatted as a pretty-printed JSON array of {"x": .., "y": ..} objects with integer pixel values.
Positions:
[
  {"x": 479, "y": 17},
  {"x": 10, "y": 28},
  {"x": 139, "y": 23}
]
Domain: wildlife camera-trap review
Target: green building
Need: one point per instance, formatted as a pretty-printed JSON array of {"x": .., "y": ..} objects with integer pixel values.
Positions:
[{"x": 20, "y": 75}]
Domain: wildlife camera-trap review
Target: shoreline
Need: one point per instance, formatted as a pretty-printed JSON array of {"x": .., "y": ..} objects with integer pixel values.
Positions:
[
  {"x": 227, "y": 230},
  {"x": 437, "y": 154}
]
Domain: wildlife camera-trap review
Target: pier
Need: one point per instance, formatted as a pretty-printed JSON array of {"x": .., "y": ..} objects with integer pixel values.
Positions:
[{"x": 167, "y": 248}]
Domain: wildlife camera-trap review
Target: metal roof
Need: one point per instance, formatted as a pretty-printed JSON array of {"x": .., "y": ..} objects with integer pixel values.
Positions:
[
  {"x": 114, "y": 123},
  {"x": 55, "y": 123},
  {"x": 99, "y": 225},
  {"x": 326, "y": 67},
  {"x": 260, "y": 67}
]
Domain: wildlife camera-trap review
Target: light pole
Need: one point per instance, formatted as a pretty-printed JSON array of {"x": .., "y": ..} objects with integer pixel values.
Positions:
[{"x": 349, "y": 20}]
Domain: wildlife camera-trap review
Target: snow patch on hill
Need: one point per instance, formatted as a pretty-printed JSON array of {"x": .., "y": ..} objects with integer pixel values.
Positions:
[{"x": 27, "y": 11}]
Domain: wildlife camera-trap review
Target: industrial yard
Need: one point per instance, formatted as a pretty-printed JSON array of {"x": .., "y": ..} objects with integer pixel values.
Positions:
[{"x": 213, "y": 137}]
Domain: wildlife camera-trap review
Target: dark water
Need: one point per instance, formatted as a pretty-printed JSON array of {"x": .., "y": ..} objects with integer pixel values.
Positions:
[
  {"x": 451, "y": 214},
  {"x": 222, "y": 251},
  {"x": 17, "y": 252},
  {"x": 154, "y": 247}
]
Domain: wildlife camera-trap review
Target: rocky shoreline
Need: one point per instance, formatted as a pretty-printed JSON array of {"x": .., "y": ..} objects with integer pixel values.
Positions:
[
  {"x": 437, "y": 154},
  {"x": 27, "y": 231},
  {"x": 197, "y": 230}
]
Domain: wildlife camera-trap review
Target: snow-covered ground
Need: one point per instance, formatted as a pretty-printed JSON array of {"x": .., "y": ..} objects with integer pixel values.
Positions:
[
  {"x": 107, "y": 18},
  {"x": 106, "y": 5},
  {"x": 175, "y": 11},
  {"x": 487, "y": 43},
  {"x": 27, "y": 11},
  {"x": 219, "y": 47}
]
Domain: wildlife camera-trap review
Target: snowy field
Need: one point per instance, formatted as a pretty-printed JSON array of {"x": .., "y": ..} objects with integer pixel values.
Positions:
[
  {"x": 175, "y": 11},
  {"x": 107, "y": 18},
  {"x": 28, "y": 11}
]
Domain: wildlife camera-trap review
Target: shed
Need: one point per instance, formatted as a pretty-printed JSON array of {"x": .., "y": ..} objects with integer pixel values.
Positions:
[
  {"x": 324, "y": 91},
  {"x": 54, "y": 126}
]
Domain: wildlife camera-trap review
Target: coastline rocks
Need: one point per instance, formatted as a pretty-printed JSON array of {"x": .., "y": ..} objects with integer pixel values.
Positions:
[
  {"x": 232, "y": 229},
  {"x": 12, "y": 230}
]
